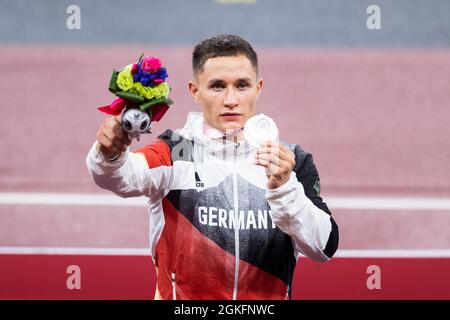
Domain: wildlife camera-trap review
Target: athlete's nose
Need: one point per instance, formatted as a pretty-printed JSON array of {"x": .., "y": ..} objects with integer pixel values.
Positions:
[{"x": 230, "y": 100}]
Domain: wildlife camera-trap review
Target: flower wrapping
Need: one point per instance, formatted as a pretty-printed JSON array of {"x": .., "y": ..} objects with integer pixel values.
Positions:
[{"x": 140, "y": 85}]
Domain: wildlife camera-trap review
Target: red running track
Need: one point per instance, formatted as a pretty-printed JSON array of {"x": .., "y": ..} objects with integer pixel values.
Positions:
[{"x": 133, "y": 277}]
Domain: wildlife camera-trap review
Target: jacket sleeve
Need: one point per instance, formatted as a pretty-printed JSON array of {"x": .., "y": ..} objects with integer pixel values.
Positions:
[
  {"x": 146, "y": 172},
  {"x": 299, "y": 211}
]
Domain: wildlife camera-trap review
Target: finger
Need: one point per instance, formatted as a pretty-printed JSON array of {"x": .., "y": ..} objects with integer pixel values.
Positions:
[
  {"x": 105, "y": 141},
  {"x": 122, "y": 135},
  {"x": 118, "y": 132},
  {"x": 272, "y": 150},
  {"x": 275, "y": 144},
  {"x": 114, "y": 140},
  {"x": 281, "y": 151},
  {"x": 270, "y": 167},
  {"x": 270, "y": 158},
  {"x": 271, "y": 143},
  {"x": 118, "y": 119},
  {"x": 283, "y": 165},
  {"x": 287, "y": 151},
  {"x": 107, "y": 147}
]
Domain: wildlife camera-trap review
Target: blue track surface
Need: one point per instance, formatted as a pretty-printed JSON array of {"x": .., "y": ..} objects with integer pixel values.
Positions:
[{"x": 333, "y": 23}]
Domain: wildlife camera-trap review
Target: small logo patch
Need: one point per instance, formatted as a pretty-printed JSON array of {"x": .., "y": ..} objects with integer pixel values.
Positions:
[{"x": 198, "y": 182}]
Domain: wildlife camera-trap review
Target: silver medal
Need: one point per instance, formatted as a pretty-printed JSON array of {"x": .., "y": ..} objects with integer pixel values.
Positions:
[{"x": 259, "y": 129}]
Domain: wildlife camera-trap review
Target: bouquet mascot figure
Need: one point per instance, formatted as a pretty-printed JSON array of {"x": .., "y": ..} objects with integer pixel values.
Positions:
[{"x": 143, "y": 92}]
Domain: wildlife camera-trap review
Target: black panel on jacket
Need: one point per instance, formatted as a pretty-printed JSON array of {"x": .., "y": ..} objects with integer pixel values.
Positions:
[
  {"x": 307, "y": 174},
  {"x": 276, "y": 245}
]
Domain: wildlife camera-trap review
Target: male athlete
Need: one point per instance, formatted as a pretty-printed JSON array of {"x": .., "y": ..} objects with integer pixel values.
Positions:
[{"x": 228, "y": 219}]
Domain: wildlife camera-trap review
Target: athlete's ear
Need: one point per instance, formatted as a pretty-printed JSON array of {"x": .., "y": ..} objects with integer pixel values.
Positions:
[
  {"x": 259, "y": 86},
  {"x": 193, "y": 88}
]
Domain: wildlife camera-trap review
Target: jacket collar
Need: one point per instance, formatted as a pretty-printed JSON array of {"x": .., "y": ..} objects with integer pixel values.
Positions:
[{"x": 211, "y": 138}]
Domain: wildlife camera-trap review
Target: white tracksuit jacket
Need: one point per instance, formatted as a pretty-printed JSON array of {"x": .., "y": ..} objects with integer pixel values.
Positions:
[{"x": 216, "y": 231}]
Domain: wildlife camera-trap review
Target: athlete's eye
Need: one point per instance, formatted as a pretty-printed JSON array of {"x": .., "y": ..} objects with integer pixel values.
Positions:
[
  {"x": 217, "y": 85},
  {"x": 242, "y": 85}
]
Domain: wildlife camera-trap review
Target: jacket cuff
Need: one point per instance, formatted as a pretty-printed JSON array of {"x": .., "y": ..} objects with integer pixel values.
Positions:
[
  {"x": 282, "y": 199},
  {"x": 101, "y": 161}
]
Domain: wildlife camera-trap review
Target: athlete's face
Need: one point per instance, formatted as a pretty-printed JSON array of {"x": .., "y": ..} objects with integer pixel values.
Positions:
[{"x": 227, "y": 88}]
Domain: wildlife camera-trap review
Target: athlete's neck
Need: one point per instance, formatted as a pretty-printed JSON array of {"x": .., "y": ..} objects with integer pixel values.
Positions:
[{"x": 214, "y": 133}]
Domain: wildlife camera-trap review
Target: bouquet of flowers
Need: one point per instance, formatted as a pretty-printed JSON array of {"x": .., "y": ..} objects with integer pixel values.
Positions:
[{"x": 141, "y": 88}]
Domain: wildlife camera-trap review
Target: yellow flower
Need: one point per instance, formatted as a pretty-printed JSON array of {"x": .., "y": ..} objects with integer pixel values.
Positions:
[
  {"x": 125, "y": 79},
  {"x": 145, "y": 92},
  {"x": 157, "y": 92},
  {"x": 161, "y": 90}
]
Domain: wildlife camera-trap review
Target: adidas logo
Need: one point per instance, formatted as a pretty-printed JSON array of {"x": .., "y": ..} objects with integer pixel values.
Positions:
[{"x": 198, "y": 182}]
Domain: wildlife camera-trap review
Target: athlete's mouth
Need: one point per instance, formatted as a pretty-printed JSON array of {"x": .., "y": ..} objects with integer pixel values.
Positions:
[{"x": 230, "y": 114}]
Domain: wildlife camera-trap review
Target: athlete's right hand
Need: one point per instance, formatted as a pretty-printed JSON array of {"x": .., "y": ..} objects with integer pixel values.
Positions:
[{"x": 112, "y": 139}]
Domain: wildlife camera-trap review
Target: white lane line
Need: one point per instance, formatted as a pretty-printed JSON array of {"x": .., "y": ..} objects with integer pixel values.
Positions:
[
  {"x": 76, "y": 251},
  {"x": 29, "y": 198},
  {"x": 394, "y": 253},
  {"x": 383, "y": 203},
  {"x": 378, "y": 203},
  {"x": 345, "y": 253}
]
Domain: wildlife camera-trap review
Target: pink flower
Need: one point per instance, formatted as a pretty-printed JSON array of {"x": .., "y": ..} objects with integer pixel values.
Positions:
[
  {"x": 158, "y": 111},
  {"x": 150, "y": 64},
  {"x": 134, "y": 68},
  {"x": 115, "y": 108},
  {"x": 158, "y": 81}
]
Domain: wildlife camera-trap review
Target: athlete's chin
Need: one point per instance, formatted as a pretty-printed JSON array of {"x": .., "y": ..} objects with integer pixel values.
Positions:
[{"x": 231, "y": 126}]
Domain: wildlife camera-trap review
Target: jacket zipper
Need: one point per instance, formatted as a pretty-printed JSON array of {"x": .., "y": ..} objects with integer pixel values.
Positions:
[
  {"x": 236, "y": 235},
  {"x": 174, "y": 289}
]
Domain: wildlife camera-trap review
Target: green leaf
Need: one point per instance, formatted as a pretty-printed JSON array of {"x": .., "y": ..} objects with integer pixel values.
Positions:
[
  {"x": 134, "y": 97},
  {"x": 169, "y": 101},
  {"x": 113, "y": 87},
  {"x": 150, "y": 103}
]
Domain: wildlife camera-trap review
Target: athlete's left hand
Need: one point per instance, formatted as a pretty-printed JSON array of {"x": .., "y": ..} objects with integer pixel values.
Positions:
[{"x": 278, "y": 161}]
